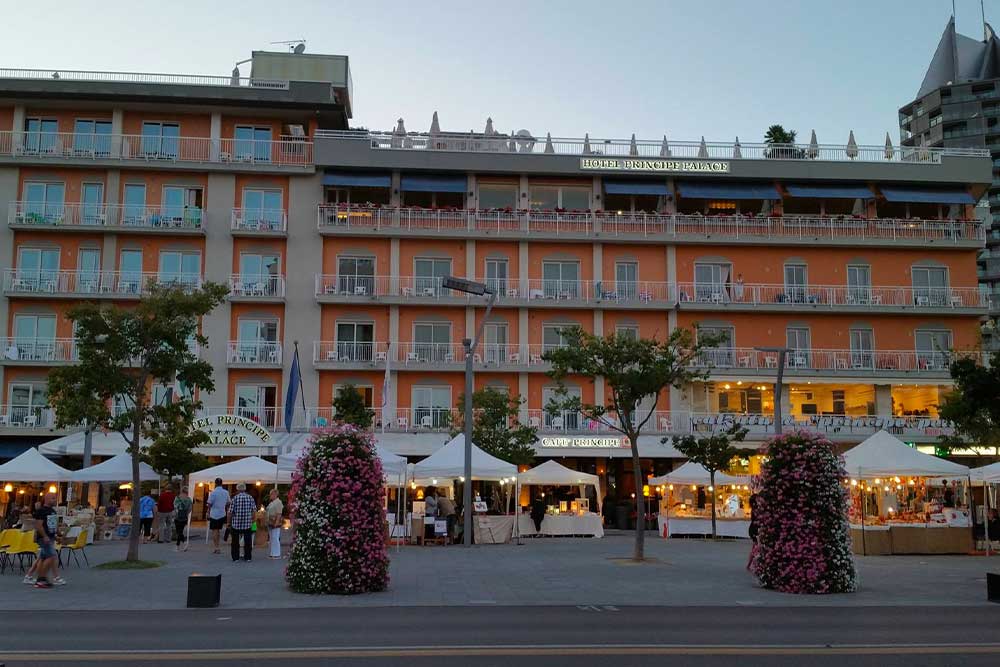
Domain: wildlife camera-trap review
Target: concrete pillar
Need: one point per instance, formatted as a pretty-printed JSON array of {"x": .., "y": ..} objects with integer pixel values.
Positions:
[
  {"x": 522, "y": 391},
  {"x": 470, "y": 259},
  {"x": 215, "y": 133},
  {"x": 597, "y": 202},
  {"x": 17, "y": 126},
  {"x": 395, "y": 193},
  {"x": 523, "y": 198},
  {"x": 522, "y": 334},
  {"x": 471, "y": 201},
  {"x": 786, "y": 401},
  {"x": 598, "y": 268},
  {"x": 394, "y": 259},
  {"x": 9, "y": 177},
  {"x": 219, "y": 197},
  {"x": 883, "y": 400},
  {"x": 598, "y": 381},
  {"x": 305, "y": 194},
  {"x": 522, "y": 268}
]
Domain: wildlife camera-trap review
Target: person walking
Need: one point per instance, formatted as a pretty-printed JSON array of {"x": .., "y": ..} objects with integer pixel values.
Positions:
[
  {"x": 218, "y": 506},
  {"x": 46, "y": 522},
  {"x": 538, "y": 513},
  {"x": 165, "y": 514},
  {"x": 275, "y": 517},
  {"x": 446, "y": 510},
  {"x": 147, "y": 510},
  {"x": 430, "y": 510},
  {"x": 182, "y": 510},
  {"x": 241, "y": 512}
]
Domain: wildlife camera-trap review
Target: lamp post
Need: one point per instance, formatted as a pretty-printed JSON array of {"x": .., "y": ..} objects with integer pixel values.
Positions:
[
  {"x": 782, "y": 354},
  {"x": 477, "y": 289}
]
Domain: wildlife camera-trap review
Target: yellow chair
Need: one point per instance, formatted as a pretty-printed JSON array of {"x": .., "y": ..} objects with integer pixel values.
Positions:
[
  {"x": 24, "y": 546},
  {"x": 7, "y": 538},
  {"x": 80, "y": 544}
]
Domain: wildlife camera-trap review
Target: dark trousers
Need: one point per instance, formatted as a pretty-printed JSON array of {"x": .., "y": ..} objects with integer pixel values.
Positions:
[
  {"x": 179, "y": 527},
  {"x": 538, "y": 522},
  {"x": 234, "y": 543},
  {"x": 146, "y": 526}
]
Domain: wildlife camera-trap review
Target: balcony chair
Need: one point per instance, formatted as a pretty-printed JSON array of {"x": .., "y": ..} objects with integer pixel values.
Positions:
[
  {"x": 332, "y": 356},
  {"x": 412, "y": 356},
  {"x": 402, "y": 422},
  {"x": 426, "y": 422},
  {"x": 557, "y": 422},
  {"x": 30, "y": 421},
  {"x": 380, "y": 357},
  {"x": 449, "y": 357},
  {"x": 665, "y": 424},
  {"x": 512, "y": 293},
  {"x": 360, "y": 290},
  {"x": 534, "y": 422},
  {"x": 536, "y": 359}
]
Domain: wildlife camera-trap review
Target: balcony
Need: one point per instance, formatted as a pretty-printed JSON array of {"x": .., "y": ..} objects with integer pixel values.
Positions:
[
  {"x": 832, "y": 363},
  {"x": 425, "y": 356},
  {"x": 708, "y": 296},
  {"x": 94, "y": 217},
  {"x": 38, "y": 351},
  {"x": 611, "y": 226},
  {"x": 258, "y": 222},
  {"x": 277, "y": 155},
  {"x": 26, "y": 418},
  {"x": 254, "y": 353},
  {"x": 256, "y": 288},
  {"x": 90, "y": 284}
]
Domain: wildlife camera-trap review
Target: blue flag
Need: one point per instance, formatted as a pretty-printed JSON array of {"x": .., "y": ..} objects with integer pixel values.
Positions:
[{"x": 294, "y": 379}]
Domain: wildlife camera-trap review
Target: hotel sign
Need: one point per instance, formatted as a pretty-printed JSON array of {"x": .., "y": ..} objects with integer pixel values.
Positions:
[
  {"x": 640, "y": 164},
  {"x": 232, "y": 430},
  {"x": 583, "y": 442}
]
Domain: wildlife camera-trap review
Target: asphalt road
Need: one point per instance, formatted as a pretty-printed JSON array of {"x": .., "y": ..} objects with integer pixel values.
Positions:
[{"x": 494, "y": 635}]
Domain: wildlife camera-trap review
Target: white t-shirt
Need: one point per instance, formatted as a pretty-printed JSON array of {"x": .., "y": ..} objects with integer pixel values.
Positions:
[{"x": 217, "y": 501}]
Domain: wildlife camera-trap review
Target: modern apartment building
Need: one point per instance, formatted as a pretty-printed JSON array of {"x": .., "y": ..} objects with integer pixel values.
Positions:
[{"x": 860, "y": 260}]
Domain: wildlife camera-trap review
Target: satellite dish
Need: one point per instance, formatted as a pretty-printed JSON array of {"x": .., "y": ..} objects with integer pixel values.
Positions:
[
  {"x": 524, "y": 140},
  {"x": 299, "y": 48}
]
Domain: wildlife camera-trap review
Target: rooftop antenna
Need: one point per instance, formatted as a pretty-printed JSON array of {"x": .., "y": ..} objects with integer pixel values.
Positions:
[{"x": 296, "y": 46}]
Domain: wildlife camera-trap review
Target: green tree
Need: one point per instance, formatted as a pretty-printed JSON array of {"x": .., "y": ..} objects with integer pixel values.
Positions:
[
  {"x": 496, "y": 428},
  {"x": 349, "y": 407},
  {"x": 780, "y": 143},
  {"x": 632, "y": 370},
  {"x": 974, "y": 404},
  {"x": 122, "y": 353},
  {"x": 173, "y": 450},
  {"x": 713, "y": 453}
]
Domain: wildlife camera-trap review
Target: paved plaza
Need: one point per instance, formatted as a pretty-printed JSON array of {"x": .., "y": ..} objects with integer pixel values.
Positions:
[{"x": 548, "y": 571}]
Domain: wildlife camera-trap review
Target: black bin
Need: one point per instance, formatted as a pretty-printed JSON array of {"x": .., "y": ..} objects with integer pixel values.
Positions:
[
  {"x": 622, "y": 517},
  {"x": 993, "y": 586},
  {"x": 204, "y": 590}
]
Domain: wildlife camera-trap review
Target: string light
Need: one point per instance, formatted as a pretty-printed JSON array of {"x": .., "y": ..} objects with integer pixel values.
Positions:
[
  {"x": 8, "y": 487},
  {"x": 52, "y": 488}
]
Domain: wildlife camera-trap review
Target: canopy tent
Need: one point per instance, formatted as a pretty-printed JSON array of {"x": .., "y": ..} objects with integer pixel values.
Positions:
[
  {"x": 883, "y": 455},
  {"x": 695, "y": 473},
  {"x": 557, "y": 474},
  {"x": 247, "y": 469},
  {"x": 394, "y": 467},
  {"x": 449, "y": 463},
  {"x": 115, "y": 469},
  {"x": 989, "y": 474},
  {"x": 31, "y": 466}
]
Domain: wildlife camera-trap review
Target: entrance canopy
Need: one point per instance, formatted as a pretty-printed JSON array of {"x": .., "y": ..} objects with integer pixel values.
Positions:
[
  {"x": 115, "y": 469},
  {"x": 695, "y": 473},
  {"x": 449, "y": 463},
  {"x": 31, "y": 466},
  {"x": 247, "y": 469},
  {"x": 883, "y": 455}
]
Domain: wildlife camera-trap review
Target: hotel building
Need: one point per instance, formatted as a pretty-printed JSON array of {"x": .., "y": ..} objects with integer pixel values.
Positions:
[{"x": 860, "y": 260}]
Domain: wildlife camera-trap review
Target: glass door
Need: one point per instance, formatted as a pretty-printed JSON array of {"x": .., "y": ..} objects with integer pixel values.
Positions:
[
  {"x": 495, "y": 342},
  {"x": 88, "y": 270},
  {"x": 130, "y": 271},
  {"x": 859, "y": 284},
  {"x": 711, "y": 282},
  {"x": 34, "y": 337},
  {"x": 431, "y": 407},
  {"x": 862, "y": 348},
  {"x": 626, "y": 281},
  {"x": 795, "y": 283},
  {"x": 428, "y": 276},
  {"x": 92, "y": 204},
  {"x": 799, "y": 352},
  {"x": 356, "y": 275},
  {"x": 432, "y": 342},
  {"x": 44, "y": 203},
  {"x": 27, "y": 400},
  {"x": 355, "y": 341},
  {"x": 559, "y": 419},
  {"x": 496, "y": 276}
]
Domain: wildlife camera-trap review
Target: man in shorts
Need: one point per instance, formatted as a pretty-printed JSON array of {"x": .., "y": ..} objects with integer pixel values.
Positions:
[
  {"x": 46, "y": 522},
  {"x": 218, "y": 504}
]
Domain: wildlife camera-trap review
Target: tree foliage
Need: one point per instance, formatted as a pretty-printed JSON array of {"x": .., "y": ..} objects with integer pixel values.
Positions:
[
  {"x": 632, "y": 369},
  {"x": 974, "y": 404},
  {"x": 349, "y": 407},
  {"x": 123, "y": 352},
  {"x": 713, "y": 453},
  {"x": 777, "y": 134},
  {"x": 496, "y": 428}
]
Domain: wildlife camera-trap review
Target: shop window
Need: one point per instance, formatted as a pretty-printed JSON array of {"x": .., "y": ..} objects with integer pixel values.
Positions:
[{"x": 497, "y": 196}]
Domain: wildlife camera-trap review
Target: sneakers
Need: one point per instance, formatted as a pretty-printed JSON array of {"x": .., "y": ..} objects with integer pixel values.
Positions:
[
  {"x": 42, "y": 584},
  {"x": 29, "y": 579},
  {"x": 58, "y": 581}
]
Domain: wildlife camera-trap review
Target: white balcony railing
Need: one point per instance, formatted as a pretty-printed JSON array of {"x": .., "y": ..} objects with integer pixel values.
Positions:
[
  {"x": 114, "y": 284},
  {"x": 104, "y": 215},
  {"x": 249, "y": 285},
  {"x": 26, "y": 416},
  {"x": 832, "y": 295},
  {"x": 38, "y": 350},
  {"x": 161, "y": 150},
  {"x": 254, "y": 352},
  {"x": 866, "y": 361},
  {"x": 259, "y": 220}
]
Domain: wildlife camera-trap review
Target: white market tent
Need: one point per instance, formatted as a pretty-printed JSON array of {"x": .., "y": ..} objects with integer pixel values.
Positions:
[
  {"x": 557, "y": 474},
  {"x": 449, "y": 463},
  {"x": 32, "y": 466},
  {"x": 115, "y": 469},
  {"x": 695, "y": 473},
  {"x": 102, "y": 443},
  {"x": 989, "y": 474},
  {"x": 246, "y": 469},
  {"x": 883, "y": 455}
]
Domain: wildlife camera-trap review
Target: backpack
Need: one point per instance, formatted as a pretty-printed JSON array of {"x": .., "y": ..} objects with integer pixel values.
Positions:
[{"x": 182, "y": 512}]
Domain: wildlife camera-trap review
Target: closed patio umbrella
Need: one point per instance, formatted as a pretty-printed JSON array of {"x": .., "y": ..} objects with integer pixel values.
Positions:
[
  {"x": 633, "y": 150},
  {"x": 548, "y": 143},
  {"x": 586, "y": 143},
  {"x": 665, "y": 148},
  {"x": 852, "y": 146},
  {"x": 813, "y": 152},
  {"x": 703, "y": 148},
  {"x": 737, "y": 150},
  {"x": 890, "y": 152}
]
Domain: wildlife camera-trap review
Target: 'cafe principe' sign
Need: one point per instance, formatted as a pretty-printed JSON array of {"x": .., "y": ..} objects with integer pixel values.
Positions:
[
  {"x": 232, "y": 430},
  {"x": 641, "y": 164},
  {"x": 584, "y": 442}
]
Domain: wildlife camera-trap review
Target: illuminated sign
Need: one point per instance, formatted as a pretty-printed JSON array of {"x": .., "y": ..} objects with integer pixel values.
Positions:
[
  {"x": 232, "y": 430},
  {"x": 641, "y": 164},
  {"x": 584, "y": 442}
]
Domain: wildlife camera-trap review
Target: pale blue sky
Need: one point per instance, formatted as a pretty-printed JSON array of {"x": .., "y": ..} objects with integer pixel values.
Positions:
[{"x": 717, "y": 68}]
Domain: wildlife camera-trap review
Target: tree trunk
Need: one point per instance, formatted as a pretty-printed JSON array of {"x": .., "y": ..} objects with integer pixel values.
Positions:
[
  {"x": 133, "y": 533},
  {"x": 711, "y": 479},
  {"x": 640, "y": 502}
]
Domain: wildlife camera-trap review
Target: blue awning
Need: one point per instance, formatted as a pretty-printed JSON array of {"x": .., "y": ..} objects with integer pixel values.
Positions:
[
  {"x": 826, "y": 191},
  {"x": 719, "y": 190},
  {"x": 927, "y": 195},
  {"x": 433, "y": 183},
  {"x": 356, "y": 179},
  {"x": 636, "y": 188}
]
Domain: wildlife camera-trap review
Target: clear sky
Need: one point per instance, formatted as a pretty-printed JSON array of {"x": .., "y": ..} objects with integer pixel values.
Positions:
[{"x": 718, "y": 68}]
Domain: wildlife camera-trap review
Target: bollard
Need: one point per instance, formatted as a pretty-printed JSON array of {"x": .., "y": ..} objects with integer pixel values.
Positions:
[
  {"x": 204, "y": 590},
  {"x": 993, "y": 586}
]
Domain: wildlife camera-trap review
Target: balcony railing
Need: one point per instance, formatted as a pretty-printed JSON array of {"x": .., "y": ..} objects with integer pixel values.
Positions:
[
  {"x": 259, "y": 220},
  {"x": 26, "y": 417},
  {"x": 632, "y": 148},
  {"x": 160, "y": 150},
  {"x": 112, "y": 284},
  {"x": 254, "y": 352},
  {"x": 832, "y": 295},
  {"x": 645, "y": 225},
  {"x": 42, "y": 214},
  {"x": 810, "y": 360},
  {"x": 38, "y": 350},
  {"x": 250, "y": 285}
]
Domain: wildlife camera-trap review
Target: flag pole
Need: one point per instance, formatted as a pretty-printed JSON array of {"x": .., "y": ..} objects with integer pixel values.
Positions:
[{"x": 302, "y": 389}]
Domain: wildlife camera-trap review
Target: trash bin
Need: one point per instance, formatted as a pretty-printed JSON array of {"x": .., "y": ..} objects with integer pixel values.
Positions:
[
  {"x": 621, "y": 516},
  {"x": 993, "y": 586},
  {"x": 204, "y": 590}
]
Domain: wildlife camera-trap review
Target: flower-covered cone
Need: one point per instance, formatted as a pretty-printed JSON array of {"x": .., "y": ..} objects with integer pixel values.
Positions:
[
  {"x": 803, "y": 536},
  {"x": 337, "y": 512}
]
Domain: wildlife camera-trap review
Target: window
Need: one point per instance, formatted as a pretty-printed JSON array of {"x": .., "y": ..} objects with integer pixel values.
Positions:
[
  {"x": 40, "y": 136},
  {"x": 933, "y": 346},
  {"x": 552, "y": 338},
  {"x": 859, "y": 283},
  {"x": 496, "y": 276},
  {"x": 630, "y": 331},
  {"x": 795, "y": 283},
  {"x": 38, "y": 268},
  {"x": 43, "y": 202},
  {"x": 181, "y": 206},
  {"x": 262, "y": 209},
  {"x": 257, "y": 342},
  {"x": 257, "y": 403},
  {"x": 34, "y": 338},
  {"x": 432, "y": 342},
  {"x": 134, "y": 212},
  {"x": 355, "y": 341},
  {"x": 799, "y": 351},
  {"x": 92, "y": 137},
  {"x": 722, "y": 353},
  {"x": 547, "y": 198},
  {"x": 253, "y": 144},
  {"x": 431, "y": 406},
  {"x": 180, "y": 267},
  {"x": 355, "y": 274},
  {"x": 88, "y": 270},
  {"x": 561, "y": 280},
  {"x": 163, "y": 394},
  {"x": 495, "y": 342},
  {"x": 27, "y": 401},
  {"x": 497, "y": 196},
  {"x": 429, "y": 274},
  {"x": 862, "y": 348},
  {"x": 130, "y": 271},
  {"x": 626, "y": 280},
  {"x": 259, "y": 274},
  {"x": 560, "y": 419},
  {"x": 930, "y": 286},
  {"x": 92, "y": 204},
  {"x": 160, "y": 140},
  {"x": 711, "y": 282}
]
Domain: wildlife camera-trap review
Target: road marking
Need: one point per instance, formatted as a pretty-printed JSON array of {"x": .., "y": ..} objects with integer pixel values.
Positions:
[
  {"x": 224, "y": 618},
  {"x": 588, "y": 607},
  {"x": 611, "y": 607}
]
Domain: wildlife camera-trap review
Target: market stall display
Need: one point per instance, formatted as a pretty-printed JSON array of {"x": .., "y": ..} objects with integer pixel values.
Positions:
[
  {"x": 573, "y": 518},
  {"x": 679, "y": 510}
]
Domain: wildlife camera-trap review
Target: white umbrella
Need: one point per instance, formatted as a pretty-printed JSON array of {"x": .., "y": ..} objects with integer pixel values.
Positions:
[
  {"x": 548, "y": 143},
  {"x": 586, "y": 143},
  {"x": 489, "y": 131},
  {"x": 116, "y": 469},
  {"x": 737, "y": 150},
  {"x": 859, "y": 207},
  {"x": 665, "y": 148},
  {"x": 852, "y": 146},
  {"x": 633, "y": 150},
  {"x": 398, "y": 134},
  {"x": 890, "y": 152},
  {"x": 435, "y": 126},
  {"x": 703, "y": 148},
  {"x": 813, "y": 146}
]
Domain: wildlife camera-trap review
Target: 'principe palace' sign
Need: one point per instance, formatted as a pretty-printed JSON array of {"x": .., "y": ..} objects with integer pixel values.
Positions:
[
  {"x": 232, "y": 430},
  {"x": 638, "y": 164}
]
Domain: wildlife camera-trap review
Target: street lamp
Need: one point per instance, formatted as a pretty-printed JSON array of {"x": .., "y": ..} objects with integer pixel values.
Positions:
[
  {"x": 782, "y": 353},
  {"x": 477, "y": 289}
]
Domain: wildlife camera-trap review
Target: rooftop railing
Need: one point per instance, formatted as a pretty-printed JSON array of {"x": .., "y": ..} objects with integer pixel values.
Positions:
[
  {"x": 141, "y": 77},
  {"x": 632, "y": 148}
]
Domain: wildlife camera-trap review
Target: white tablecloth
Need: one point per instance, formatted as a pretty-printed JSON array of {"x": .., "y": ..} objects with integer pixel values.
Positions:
[
  {"x": 703, "y": 526},
  {"x": 493, "y": 529},
  {"x": 564, "y": 524}
]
